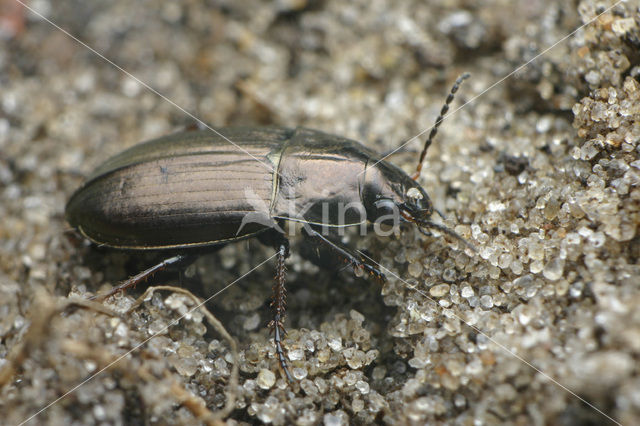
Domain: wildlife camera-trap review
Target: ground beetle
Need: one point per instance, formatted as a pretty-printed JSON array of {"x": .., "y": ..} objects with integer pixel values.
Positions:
[{"x": 196, "y": 189}]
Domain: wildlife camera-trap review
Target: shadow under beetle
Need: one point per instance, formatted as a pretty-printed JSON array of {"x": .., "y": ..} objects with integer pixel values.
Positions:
[{"x": 194, "y": 189}]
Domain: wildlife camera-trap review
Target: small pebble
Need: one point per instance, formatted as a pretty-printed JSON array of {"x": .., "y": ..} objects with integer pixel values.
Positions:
[{"x": 266, "y": 379}]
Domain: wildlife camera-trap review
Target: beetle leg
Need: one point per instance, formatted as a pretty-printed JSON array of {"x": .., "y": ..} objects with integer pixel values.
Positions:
[
  {"x": 278, "y": 303},
  {"x": 356, "y": 261},
  {"x": 180, "y": 260}
]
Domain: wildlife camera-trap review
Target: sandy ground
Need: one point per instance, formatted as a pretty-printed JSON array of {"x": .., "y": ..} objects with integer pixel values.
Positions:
[{"x": 539, "y": 171}]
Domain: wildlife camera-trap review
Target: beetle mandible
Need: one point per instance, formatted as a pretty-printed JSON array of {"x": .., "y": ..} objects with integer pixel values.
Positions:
[{"x": 192, "y": 190}]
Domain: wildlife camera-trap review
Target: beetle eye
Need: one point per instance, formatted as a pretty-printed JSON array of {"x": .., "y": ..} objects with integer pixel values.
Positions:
[{"x": 414, "y": 194}]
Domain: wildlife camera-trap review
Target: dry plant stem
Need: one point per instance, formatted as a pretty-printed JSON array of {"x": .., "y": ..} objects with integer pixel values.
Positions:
[
  {"x": 89, "y": 304},
  {"x": 217, "y": 325},
  {"x": 45, "y": 308},
  {"x": 194, "y": 404}
]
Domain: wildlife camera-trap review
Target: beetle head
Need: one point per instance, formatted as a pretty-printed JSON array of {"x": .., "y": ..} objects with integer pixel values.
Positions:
[{"x": 392, "y": 197}]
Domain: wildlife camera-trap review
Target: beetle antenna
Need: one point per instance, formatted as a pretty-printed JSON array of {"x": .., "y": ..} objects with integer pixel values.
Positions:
[
  {"x": 434, "y": 129},
  {"x": 445, "y": 230}
]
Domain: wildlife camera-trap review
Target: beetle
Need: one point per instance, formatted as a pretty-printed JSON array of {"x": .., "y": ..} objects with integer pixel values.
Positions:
[{"x": 195, "y": 190}]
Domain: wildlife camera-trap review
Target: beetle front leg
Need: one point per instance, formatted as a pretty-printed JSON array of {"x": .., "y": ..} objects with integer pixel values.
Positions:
[
  {"x": 278, "y": 303},
  {"x": 355, "y": 260}
]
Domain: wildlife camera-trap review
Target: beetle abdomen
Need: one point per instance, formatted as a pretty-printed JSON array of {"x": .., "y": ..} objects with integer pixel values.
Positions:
[{"x": 187, "y": 189}]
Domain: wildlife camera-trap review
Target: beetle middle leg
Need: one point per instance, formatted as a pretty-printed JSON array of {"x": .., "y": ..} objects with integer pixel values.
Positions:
[
  {"x": 279, "y": 298},
  {"x": 178, "y": 261},
  {"x": 354, "y": 259},
  {"x": 278, "y": 303}
]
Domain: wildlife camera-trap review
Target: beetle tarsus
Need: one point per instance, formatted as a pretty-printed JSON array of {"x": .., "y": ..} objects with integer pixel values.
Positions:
[
  {"x": 279, "y": 303},
  {"x": 278, "y": 333}
]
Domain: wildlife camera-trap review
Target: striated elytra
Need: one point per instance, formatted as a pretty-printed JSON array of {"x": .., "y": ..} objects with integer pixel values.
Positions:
[{"x": 194, "y": 190}]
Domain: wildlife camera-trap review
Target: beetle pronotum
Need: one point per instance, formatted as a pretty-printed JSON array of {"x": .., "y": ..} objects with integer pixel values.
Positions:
[{"x": 192, "y": 190}]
